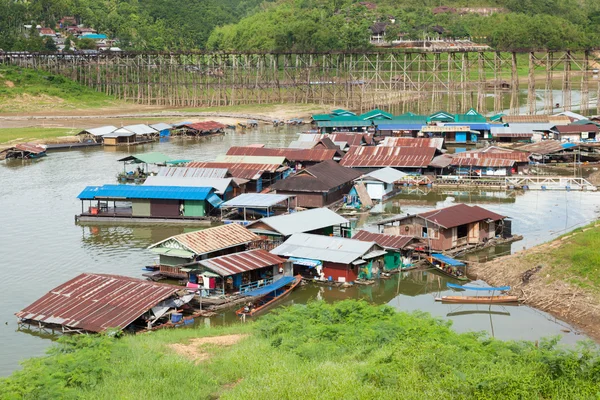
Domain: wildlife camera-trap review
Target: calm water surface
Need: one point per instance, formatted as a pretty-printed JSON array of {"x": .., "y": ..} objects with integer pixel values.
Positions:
[{"x": 42, "y": 247}]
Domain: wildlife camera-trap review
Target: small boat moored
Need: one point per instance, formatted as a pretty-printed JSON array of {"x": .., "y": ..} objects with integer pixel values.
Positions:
[
  {"x": 268, "y": 295},
  {"x": 500, "y": 299},
  {"x": 448, "y": 266}
]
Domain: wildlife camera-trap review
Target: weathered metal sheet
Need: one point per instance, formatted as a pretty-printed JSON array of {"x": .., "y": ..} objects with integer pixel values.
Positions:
[
  {"x": 544, "y": 147},
  {"x": 205, "y": 126},
  {"x": 390, "y": 141},
  {"x": 323, "y": 177},
  {"x": 302, "y": 155},
  {"x": 237, "y": 169},
  {"x": 184, "y": 172},
  {"x": 386, "y": 241},
  {"x": 95, "y": 302},
  {"x": 410, "y": 157},
  {"x": 256, "y": 200},
  {"x": 232, "y": 264},
  {"x": 481, "y": 162},
  {"x": 304, "y": 221}
]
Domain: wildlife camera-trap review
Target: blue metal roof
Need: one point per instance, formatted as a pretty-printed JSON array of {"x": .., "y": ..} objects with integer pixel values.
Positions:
[
  {"x": 286, "y": 280},
  {"x": 478, "y": 126},
  {"x": 447, "y": 260},
  {"x": 145, "y": 192},
  {"x": 399, "y": 127},
  {"x": 94, "y": 36},
  {"x": 568, "y": 145}
]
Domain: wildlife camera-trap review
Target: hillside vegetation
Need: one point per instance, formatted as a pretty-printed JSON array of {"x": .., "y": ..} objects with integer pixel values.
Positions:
[{"x": 345, "y": 350}]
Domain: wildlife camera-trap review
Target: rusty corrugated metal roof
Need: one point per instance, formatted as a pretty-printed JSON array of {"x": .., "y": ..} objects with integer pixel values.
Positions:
[
  {"x": 31, "y": 147},
  {"x": 390, "y": 141},
  {"x": 322, "y": 177},
  {"x": 540, "y": 119},
  {"x": 232, "y": 264},
  {"x": 386, "y": 241},
  {"x": 239, "y": 170},
  {"x": 95, "y": 302},
  {"x": 459, "y": 214},
  {"x": 211, "y": 239},
  {"x": 481, "y": 162},
  {"x": 576, "y": 128},
  {"x": 184, "y": 172},
  {"x": 314, "y": 155},
  {"x": 518, "y": 156},
  {"x": 378, "y": 156},
  {"x": 205, "y": 126},
  {"x": 544, "y": 147}
]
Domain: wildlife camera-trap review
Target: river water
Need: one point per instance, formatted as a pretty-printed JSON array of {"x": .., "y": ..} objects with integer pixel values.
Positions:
[{"x": 42, "y": 246}]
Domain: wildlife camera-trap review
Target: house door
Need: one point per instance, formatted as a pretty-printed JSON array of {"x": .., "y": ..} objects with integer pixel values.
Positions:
[{"x": 474, "y": 233}]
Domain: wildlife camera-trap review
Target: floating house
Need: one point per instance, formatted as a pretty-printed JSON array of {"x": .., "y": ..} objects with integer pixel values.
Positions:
[
  {"x": 331, "y": 258},
  {"x": 449, "y": 228},
  {"x": 95, "y": 135},
  {"x": 252, "y": 206},
  {"x": 178, "y": 251},
  {"x": 402, "y": 126},
  {"x": 576, "y": 133},
  {"x": 163, "y": 129},
  {"x": 205, "y": 128},
  {"x": 318, "y": 186},
  {"x": 411, "y": 159},
  {"x": 225, "y": 188},
  {"x": 141, "y": 162},
  {"x": 318, "y": 221},
  {"x": 24, "y": 151},
  {"x": 92, "y": 303},
  {"x": 496, "y": 160},
  {"x": 259, "y": 175},
  {"x": 184, "y": 172},
  {"x": 536, "y": 119},
  {"x": 380, "y": 183},
  {"x": 237, "y": 273},
  {"x": 399, "y": 248},
  {"x": 135, "y": 203},
  {"x": 299, "y": 158},
  {"x": 451, "y": 134},
  {"x": 391, "y": 141}
]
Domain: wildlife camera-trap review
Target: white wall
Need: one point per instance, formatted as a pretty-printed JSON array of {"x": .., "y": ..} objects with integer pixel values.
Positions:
[{"x": 375, "y": 190}]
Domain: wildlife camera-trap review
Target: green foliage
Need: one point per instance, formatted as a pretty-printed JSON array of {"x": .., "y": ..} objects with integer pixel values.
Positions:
[{"x": 349, "y": 349}]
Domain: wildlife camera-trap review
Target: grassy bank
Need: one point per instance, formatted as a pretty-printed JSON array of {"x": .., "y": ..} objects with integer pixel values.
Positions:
[
  {"x": 32, "y": 134},
  {"x": 346, "y": 350},
  {"x": 24, "y": 89}
]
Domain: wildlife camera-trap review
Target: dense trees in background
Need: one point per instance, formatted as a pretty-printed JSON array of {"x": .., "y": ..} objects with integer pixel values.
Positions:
[{"x": 301, "y": 25}]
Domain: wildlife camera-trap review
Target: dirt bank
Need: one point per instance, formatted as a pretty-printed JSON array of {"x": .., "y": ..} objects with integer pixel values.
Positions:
[{"x": 535, "y": 278}]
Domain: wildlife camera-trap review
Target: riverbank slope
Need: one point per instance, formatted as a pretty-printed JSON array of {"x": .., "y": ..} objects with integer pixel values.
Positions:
[
  {"x": 349, "y": 349},
  {"x": 561, "y": 277}
]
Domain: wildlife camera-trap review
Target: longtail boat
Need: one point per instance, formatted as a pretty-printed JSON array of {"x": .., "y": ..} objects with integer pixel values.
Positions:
[
  {"x": 478, "y": 299},
  {"x": 448, "y": 266},
  {"x": 269, "y": 295}
]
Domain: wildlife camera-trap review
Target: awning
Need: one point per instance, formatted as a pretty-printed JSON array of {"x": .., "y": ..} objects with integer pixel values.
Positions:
[
  {"x": 448, "y": 260},
  {"x": 286, "y": 280},
  {"x": 214, "y": 200},
  {"x": 172, "y": 252},
  {"x": 305, "y": 261},
  {"x": 374, "y": 254}
]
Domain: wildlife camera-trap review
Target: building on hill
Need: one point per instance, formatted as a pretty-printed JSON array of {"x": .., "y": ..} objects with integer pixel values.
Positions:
[
  {"x": 318, "y": 186},
  {"x": 449, "y": 228}
]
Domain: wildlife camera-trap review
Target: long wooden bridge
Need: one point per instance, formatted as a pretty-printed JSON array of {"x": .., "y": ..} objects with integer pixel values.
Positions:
[
  {"x": 518, "y": 182},
  {"x": 396, "y": 80}
]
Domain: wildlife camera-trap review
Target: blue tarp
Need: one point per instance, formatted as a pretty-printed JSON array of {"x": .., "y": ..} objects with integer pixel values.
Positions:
[
  {"x": 399, "y": 127},
  {"x": 126, "y": 192},
  {"x": 447, "y": 260},
  {"x": 499, "y": 288},
  {"x": 568, "y": 145},
  {"x": 286, "y": 280},
  {"x": 305, "y": 261},
  {"x": 214, "y": 200}
]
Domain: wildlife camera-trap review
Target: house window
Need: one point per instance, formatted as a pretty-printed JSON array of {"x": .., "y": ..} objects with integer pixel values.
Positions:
[
  {"x": 424, "y": 232},
  {"x": 462, "y": 231},
  {"x": 430, "y": 233}
]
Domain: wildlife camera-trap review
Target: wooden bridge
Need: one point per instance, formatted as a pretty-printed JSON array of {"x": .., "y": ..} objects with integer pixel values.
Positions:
[
  {"x": 518, "y": 182},
  {"x": 398, "y": 80}
]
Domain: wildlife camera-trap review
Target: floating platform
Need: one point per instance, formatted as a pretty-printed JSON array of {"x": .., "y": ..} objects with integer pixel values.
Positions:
[
  {"x": 140, "y": 220},
  {"x": 69, "y": 146}
]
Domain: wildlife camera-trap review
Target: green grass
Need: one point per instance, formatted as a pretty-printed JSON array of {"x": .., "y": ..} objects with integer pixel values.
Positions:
[
  {"x": 346, "y": 350},
  {"x": 577, "y": 259},
  {"x": 30, "y": 134},
  {"x": 24, "y": 89}
]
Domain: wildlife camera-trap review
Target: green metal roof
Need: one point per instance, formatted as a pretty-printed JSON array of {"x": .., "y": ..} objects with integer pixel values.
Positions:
[
  {"x": 321, "y": 117},
  {"x": 472, "y": 111},
  {"x": 461, "y": 118},
  {"x": 406, "y": 114},
  {"x": 376, "y": 114},
  {"x": 497, "y": 117},
  {"x": 441, "y": 116},
  {"x": 342, "y": 112},
  {"x": 172, "y": 252},
  {"x": 414, "y": 119},
  {"x": 147, "y": 158}
]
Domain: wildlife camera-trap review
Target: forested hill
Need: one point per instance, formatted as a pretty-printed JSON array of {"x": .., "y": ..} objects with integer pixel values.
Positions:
[{"x": 301, "y": 25}]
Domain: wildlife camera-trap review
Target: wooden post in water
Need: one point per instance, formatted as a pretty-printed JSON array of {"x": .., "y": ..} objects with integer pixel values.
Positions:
[
  {"x": 566, "y": 89},
  {"x": 531, "y": 97},
  {"x": 514, "y": 85}
]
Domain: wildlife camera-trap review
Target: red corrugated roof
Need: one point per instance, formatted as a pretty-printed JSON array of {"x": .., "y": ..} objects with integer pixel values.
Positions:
[
  {"x": 213, "y": 239},
  {"x": 518, "y": 156},
  {"x": 412, "y": 142},
  {"x": 205, "y": 126},
  {"x": 481, "y": 162},
  {"x": 95, "y": 302},
  {"x": 237, "y": 170},
  {"x": 459, "y": 214},
  {"x": 313, "y": 155},
  {"x": 414, "y": 157},
  {"x": 232, "y": 264},
  {"x": 30, "y": 147},
  {"x": 385, "y": 241},
  {"x": 576, "y": 128}
]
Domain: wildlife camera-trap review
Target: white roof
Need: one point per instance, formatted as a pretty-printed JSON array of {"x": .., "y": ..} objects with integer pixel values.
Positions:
[
  {"x": 185, "y": 172},
  {"x": 302, "y": 144},
  {"x": 220, "y": 184},
  {"x": 303, "y": 221},
  {"x": 101, "y": 131},
  {"x": 140, "y": 129},
  {"x": 387, "y": 175},
  {"x": 256, "y": 200},
  {"x": 323, "y": 248},
  {"x": 571, "y": 114},
  {"x": 121, "y": 132},
  {"x": 309, "y": 137},
  {"x": 161, "y": 126}
]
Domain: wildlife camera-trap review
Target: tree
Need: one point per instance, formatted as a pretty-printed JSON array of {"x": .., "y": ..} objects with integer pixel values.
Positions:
[
  {"x": 49, "y": 44},
  {"x": 86, "y": 44}
]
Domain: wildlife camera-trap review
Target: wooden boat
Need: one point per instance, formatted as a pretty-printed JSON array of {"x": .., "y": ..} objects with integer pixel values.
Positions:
[
  {"x": 478, "y": 299},
  {"x": 448, "y": 266},
  {"x": 267, "y": 300}
]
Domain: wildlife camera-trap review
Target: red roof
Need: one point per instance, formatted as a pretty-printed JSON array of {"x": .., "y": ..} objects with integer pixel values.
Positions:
[
  {"x": 232, "y": 264},
  {"x": 481, "y": 162},
  {"x": 47, "y": 31},
  {"x": 238, "y": 170},
  {"x": 95, "y": 302},
  {"x": 517, "y": 156},
  {"x": 459, "y": 214},
  {"x": 205, "y": 126},
  {"x": 414, "y": 157},
  {"x": 391, "y": 141},
  {"x": 316, "y": 155},
  {"x": 385, "y": 241},
  {"x": 576, "y": 128}
]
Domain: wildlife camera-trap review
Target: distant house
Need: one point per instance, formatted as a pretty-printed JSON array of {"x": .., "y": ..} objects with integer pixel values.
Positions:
[
  {"x": 225, "y": 188},
  {"x": 576, "y": 133},
  {"x": 318, "y": 221},
  {"x": 49, "y": 32},
  {"x": 178, "y": 250},
  {"x": 451, "y": 134},
  {"x": 333, "y": 258},
  {"x": 415, "y": 159},
  {"x": 319, "y": 185},
  {"x": 399, "y": 248},
  {"x": 448, "y": 228},
  {"x": 380, "y": 183},
  {"x": 95, "y": 134}
]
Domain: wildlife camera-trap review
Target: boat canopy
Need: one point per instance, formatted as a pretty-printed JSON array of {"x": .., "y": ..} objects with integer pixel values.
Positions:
[
  {"x": 286, "y": 280},
  {"x": 499, "y": 288},
  {"x": 447, "y": 260}
]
